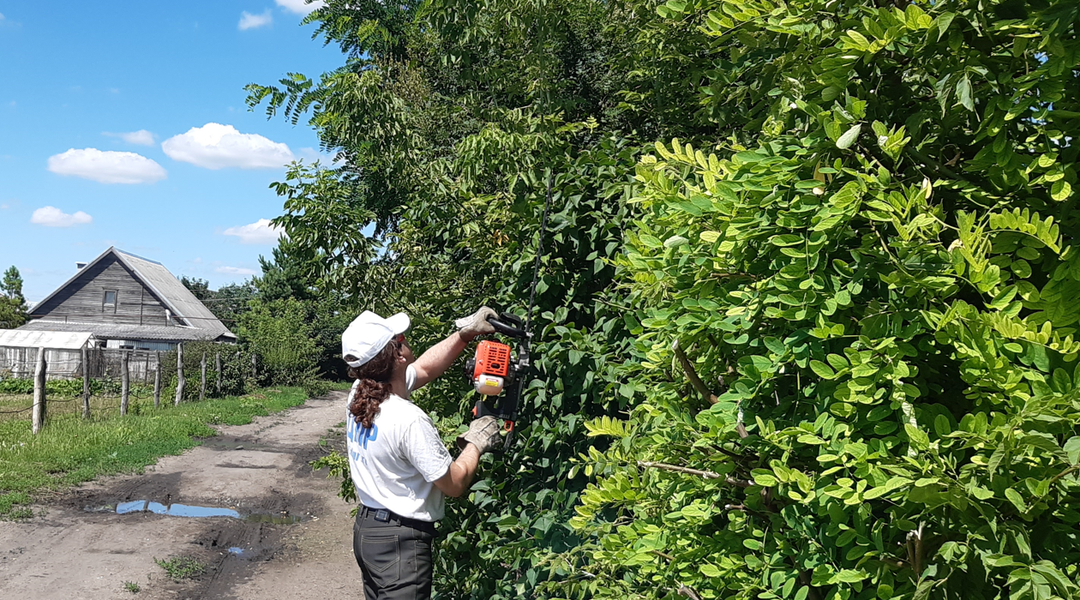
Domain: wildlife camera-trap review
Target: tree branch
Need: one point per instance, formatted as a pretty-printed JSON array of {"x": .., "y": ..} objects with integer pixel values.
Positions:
[
  {"x": 688, "y": 592},
  {"x": 706, "y": 474},
  {"x": 692, "y": 375}
]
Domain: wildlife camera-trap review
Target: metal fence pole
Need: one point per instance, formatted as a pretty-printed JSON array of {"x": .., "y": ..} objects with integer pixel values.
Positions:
[
  {"x": 217, "y": 367},
  {"x": 39, "y": 391},
  {"x": 202, "y": 378},
  {"x": 85, "y": 383},
  {"x": 179, "y": 373},
  {"x": 125, "y": 380}
]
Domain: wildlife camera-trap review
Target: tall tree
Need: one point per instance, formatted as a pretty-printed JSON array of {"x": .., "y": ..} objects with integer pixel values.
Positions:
[{"x": 13, "y": 308}]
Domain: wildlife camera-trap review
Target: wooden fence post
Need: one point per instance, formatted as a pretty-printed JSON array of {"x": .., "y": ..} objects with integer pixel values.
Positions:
[
  {"x": 179, "y": 373},
  {"x": 217, "y": 367},
  {"x": 125, "y": 380},
  {"x": 39, "y": 391},
  {"x": 85, "y": 383},
  {"x": 157, "y": 382},
  {"x": 202, "y": 378}
]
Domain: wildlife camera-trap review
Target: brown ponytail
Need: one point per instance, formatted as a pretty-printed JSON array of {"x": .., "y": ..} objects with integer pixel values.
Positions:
[{"x": 374, "y": 386}]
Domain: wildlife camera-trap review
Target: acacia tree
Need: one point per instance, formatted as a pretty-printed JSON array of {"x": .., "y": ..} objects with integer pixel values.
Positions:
[{"x": 856, "y": 346}]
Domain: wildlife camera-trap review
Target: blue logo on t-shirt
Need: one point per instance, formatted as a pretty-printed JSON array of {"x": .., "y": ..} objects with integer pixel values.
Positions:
[{"x": 362, "y": 435}]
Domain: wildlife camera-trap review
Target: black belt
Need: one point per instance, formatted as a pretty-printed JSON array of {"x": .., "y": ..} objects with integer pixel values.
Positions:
[{"x": 383, "y": 515}]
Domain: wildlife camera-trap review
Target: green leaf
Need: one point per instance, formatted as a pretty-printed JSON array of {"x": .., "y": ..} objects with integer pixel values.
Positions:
[
  {"x": 678, "y": 6},
  {"x": 710, "y": 570},
  {"x": 650, "y": 241},
  {"x": 1072, "y": 449},
  {"x": 849, "y": 137},
  {"x": 850, "y": 576},
  {"x": 942, "y": 21},
  {"x": 918, "y": 438},
  {"x": 1018, "y": 501},
  {"x": 963, "y": 92},
  {"x": 1061, "y": 190},
  {"x": 675, "y": 241},
  {"x": 822, "y": 370},
  {"x": 763, "y": 477}
]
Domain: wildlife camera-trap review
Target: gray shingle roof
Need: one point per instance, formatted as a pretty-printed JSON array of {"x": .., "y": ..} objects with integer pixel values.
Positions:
[{"x": 181, "y": 301}]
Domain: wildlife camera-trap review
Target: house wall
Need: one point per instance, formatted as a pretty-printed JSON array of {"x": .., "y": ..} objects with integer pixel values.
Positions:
[{"x": 83, "y": 300}]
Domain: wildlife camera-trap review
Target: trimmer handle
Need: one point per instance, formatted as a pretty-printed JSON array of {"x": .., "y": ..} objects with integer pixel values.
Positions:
[
  {"x": 508, "y": 324},
  {"x": 480, "y": 409}
]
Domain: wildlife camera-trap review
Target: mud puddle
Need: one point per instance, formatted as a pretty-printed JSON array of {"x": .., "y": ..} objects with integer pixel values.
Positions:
[{"x": 185, "y": 510}]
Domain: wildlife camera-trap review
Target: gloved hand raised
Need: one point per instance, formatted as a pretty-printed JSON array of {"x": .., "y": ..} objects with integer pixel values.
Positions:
[
  {"x": 476, "y": 323},
  {"x": 483, "y": 433}
]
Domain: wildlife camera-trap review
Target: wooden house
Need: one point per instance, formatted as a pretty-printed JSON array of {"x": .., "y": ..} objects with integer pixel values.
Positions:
[{"x": 126, "y": 301}]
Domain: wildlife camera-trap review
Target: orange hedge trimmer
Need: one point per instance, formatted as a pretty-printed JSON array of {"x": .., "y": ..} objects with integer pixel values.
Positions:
[{"x": 495, "y": 369}]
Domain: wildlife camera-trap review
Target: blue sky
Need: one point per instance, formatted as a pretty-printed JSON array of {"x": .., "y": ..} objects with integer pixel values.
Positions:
[{"x": 123, "y": 124}]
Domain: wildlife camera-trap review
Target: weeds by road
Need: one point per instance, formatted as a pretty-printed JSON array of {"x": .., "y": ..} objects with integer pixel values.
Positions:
[
  {"x": 181, "y": 567},
  {"x": 70, "y": 450}
]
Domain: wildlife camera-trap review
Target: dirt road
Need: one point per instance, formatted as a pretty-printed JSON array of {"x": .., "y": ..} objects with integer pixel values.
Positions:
[{"x": 284, "y": 533}]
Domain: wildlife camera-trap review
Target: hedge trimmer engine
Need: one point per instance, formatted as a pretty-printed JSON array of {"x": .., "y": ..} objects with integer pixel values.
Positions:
[
  {"x": 490, "y": 368},
  {"x": 496, "y": 372}
]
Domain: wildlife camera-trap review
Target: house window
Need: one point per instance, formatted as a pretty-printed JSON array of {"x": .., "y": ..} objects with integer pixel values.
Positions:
[{"x": 109, "y": 302}]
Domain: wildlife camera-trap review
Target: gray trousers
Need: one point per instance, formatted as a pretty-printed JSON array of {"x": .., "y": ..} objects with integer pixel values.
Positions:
[{"x": 394, "y": 554}]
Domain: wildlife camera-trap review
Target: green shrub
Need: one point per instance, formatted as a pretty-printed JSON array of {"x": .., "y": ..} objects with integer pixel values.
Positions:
[{"x": 856, "y": 365}]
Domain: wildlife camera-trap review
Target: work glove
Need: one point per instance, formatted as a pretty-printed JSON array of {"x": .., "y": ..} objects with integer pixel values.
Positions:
[
  {"x": 483, "y": 433},
  {"x": 476, "y": 323}
]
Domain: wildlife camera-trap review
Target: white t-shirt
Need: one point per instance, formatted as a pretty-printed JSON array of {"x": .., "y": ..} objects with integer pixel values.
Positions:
[{"x": 394, "y": 463}]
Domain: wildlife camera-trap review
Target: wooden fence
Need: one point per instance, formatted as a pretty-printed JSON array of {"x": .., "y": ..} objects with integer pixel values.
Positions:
[{"x": 129, "y": 367}]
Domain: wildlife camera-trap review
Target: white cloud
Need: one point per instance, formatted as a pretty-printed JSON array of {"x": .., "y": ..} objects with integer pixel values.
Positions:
[
  {"x": 216, "y": 146},
  {"x": 250, "y": 21},
  {"x": 106, "y": 167},
  {"x": 235, "y": 271},
  {"x": 141, "y": 137},
  {"x": 259, "y": 232},
  {"x": 50, "y": 216},
  {"x": 299, "y": 6}
]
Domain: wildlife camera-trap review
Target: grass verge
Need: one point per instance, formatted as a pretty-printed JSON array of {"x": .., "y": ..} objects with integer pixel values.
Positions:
[{"x": 70, "y": 450}]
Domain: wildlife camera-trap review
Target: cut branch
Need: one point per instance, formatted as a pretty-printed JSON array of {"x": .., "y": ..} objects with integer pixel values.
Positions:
[
  {"x": 691, "y": 374},
  {"x": 706, "y": 474},
  {"x": 688, "y": 592}
]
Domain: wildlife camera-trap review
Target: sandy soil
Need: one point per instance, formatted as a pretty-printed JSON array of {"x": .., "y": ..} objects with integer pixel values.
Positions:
[{"x": 293, "y": 537}]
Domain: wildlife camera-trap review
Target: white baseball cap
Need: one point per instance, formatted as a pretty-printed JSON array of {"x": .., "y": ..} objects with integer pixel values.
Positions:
[{"x": 368, "y": 334}]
